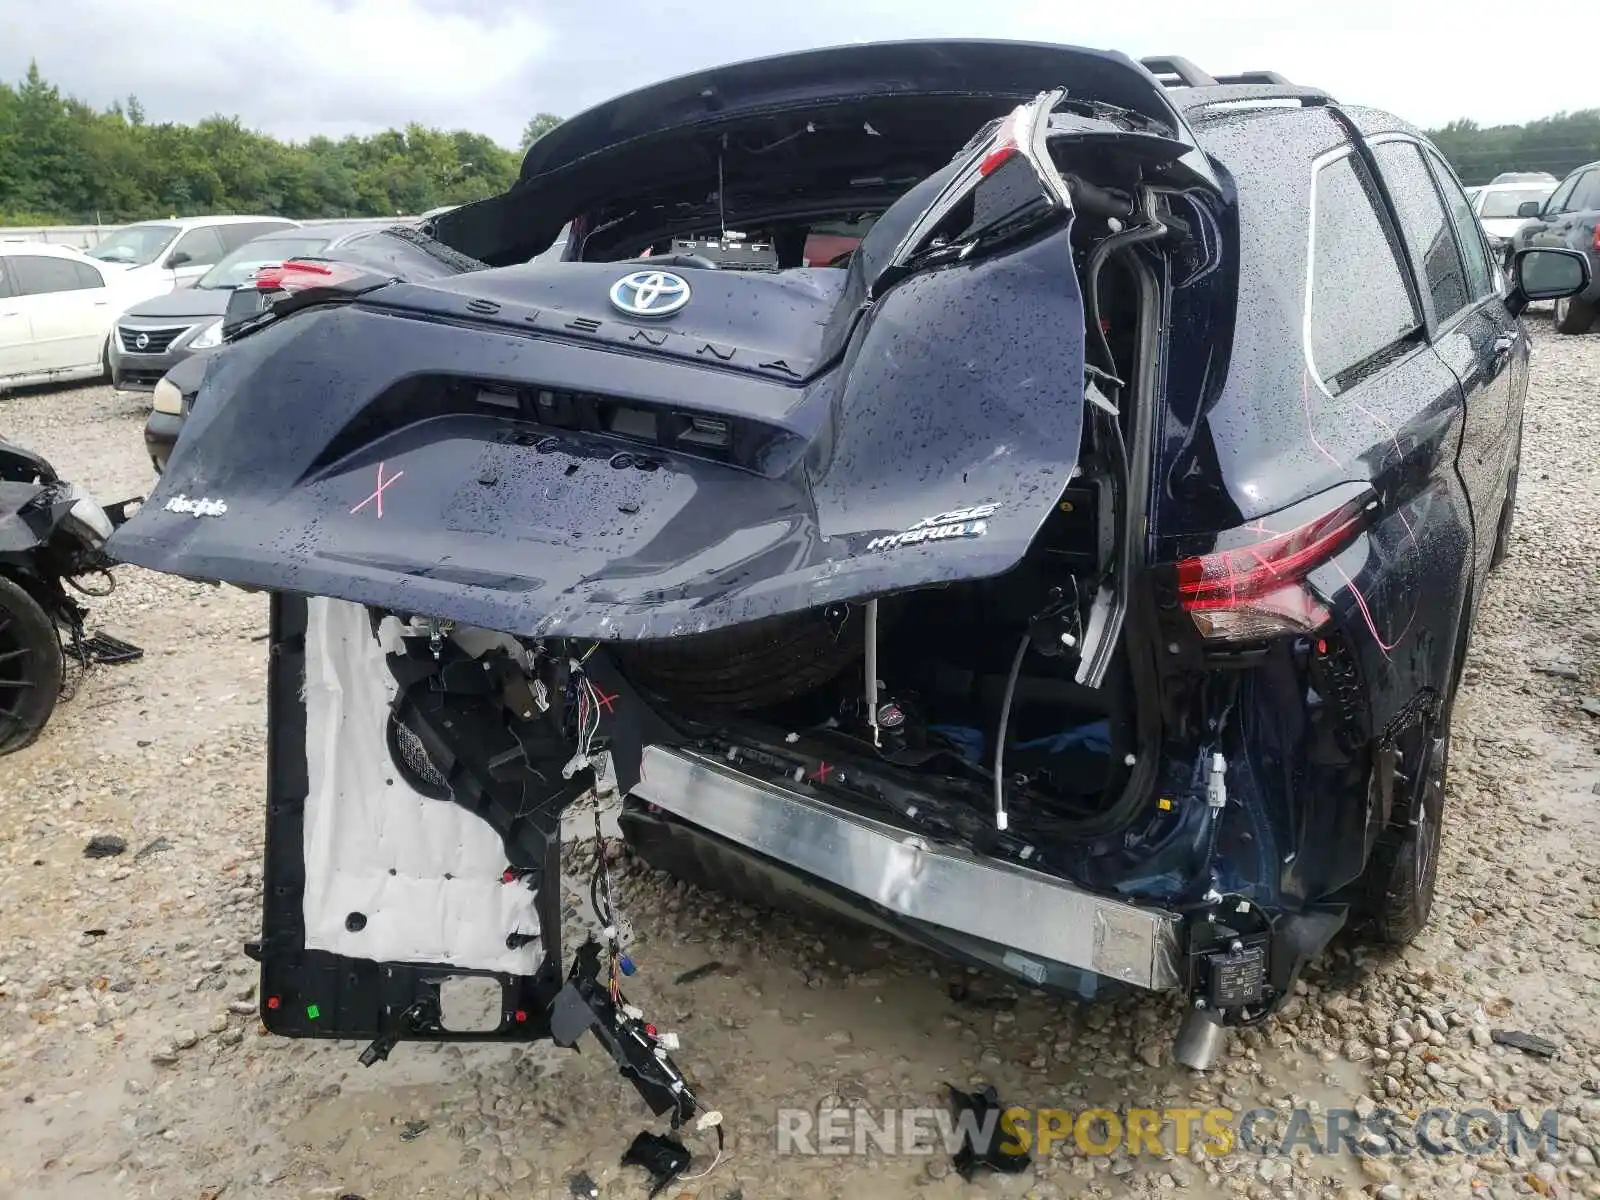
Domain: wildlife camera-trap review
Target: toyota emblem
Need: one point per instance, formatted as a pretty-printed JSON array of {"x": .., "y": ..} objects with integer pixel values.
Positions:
[{"x": 650, "y": 293}]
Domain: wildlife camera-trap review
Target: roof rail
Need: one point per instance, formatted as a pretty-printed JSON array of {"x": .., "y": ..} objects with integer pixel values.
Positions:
[
  {"x": 1177, "y": 72},
  {"x": 1246, "y": 94},
  {"x": 1253, "y": 77},
  {"x": 1209, "y": 90}
]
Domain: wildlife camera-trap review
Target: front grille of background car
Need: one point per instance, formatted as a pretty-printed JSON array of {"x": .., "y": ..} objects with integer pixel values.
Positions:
[
  {"x": 156, "y": 340},
  {"x": 142, "y": 378}
]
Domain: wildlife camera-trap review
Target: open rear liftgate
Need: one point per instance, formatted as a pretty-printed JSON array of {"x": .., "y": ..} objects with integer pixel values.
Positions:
[{"x": 508, "y": 774}]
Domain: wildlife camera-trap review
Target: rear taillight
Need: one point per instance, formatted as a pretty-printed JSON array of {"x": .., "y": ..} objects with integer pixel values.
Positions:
[
  {"x": 296, "y": 275},
  {"x": 1257, "y": 590},
  {"x": 1596, "y": 242},
  {"x": 1004, "y": 147},
  {"x": 283, "y": 288}
]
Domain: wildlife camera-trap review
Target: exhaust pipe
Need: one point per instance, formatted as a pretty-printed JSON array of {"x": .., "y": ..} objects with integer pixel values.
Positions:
[{"x": 1201, "y": 1040}]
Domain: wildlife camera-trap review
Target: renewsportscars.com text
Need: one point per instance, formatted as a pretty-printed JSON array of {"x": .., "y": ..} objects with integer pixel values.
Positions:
[{"x": 1156, "y": 1131}]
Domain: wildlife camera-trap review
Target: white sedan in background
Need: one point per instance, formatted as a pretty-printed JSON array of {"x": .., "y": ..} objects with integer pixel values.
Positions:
[
  {"x": 164, "y": 255},
  {"x": 57, "y": 309}
]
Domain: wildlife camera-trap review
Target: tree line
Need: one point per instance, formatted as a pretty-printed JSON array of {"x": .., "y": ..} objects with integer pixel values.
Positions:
[
  {"x": 1554, "y": 144},
  {"x": 64, "y": 162}
]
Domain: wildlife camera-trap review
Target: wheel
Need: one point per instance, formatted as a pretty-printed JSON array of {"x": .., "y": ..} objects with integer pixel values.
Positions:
[
  {"x": 1395, "y": 895},
  {"x": 754, "y": 665},
  {"x": 1573, "y": 315},
  {"x": 30, "y": 667},
  {"x": 105, "y": 361},
  {"x": 1400, "y": 878},
  {"x": 1508, "y": 513}
]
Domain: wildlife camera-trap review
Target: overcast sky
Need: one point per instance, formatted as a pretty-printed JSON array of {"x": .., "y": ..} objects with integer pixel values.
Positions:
[{"x": 300, "y": 67}]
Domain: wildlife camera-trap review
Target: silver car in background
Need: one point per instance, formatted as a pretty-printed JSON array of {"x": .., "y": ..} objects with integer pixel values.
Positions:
[{"x": 156, "y": 334}]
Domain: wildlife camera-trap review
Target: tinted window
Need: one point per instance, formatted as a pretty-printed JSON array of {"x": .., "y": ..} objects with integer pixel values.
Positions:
[
  {"x": 391, "y": 253},
  {"x": 37, "y": 275},
  {"x": 1586, "y": 195},
  {"x": 1359, "y": 301},
  {"x": 1426, "y": 227},
  {"x": 1558, "y": 202},
  {"x": 1468, "y": 232},
  {"x": 236, "y": 235},
  {"x": 5, "y": 277},
  {"x": 203, "y": 247}
]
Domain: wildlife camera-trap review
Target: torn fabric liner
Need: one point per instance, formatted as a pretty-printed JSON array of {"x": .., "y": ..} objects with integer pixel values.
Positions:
[{"x": 425, "y": 873}]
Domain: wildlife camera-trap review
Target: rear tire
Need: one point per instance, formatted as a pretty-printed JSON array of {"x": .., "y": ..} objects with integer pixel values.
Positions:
[
  {"x": 1403, "y": 872},
  {"x": 1395, "y": 893},
  {"x": 1573, "y": 315},
  {"x": 30, "y": 667},
  {"x": 750, "y": 666}
]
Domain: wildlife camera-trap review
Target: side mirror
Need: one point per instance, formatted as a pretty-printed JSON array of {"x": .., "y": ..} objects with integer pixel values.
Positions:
[
  {"x": 1530, "y": 208},
  {"x": 179, "y": 257},
  {"x": 1547, "y": 273}
]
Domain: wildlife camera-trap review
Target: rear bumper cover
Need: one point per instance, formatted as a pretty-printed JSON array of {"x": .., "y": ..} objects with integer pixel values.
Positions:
[{"x": 1037, "y": 915}]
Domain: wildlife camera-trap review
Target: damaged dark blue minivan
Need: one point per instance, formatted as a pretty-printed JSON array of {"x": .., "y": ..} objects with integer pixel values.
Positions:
[{"x": 1073, "y": 576}]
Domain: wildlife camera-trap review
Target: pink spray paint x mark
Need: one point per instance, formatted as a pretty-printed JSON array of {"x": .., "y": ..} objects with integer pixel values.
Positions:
[{"x": 377, "y": 495}]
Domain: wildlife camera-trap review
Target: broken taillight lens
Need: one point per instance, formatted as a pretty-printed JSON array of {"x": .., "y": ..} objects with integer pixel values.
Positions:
[
  {"x": 1004, "y": 147},
  {"x": 1258, "y": 590},
  {"x": 296, "y": 275},
  {"x": 280, "y": 289},
  {"x": 1009, "y": 137}
]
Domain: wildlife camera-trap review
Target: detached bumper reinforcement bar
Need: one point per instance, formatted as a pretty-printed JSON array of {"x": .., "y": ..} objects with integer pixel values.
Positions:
[{"x": 943, "y": 885}]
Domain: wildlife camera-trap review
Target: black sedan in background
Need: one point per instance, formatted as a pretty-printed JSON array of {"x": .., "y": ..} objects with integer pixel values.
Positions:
[{"x": 156, "y": 334}]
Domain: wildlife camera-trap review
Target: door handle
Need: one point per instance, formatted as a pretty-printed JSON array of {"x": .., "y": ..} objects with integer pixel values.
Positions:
[{"x": 1504, "y": 344}]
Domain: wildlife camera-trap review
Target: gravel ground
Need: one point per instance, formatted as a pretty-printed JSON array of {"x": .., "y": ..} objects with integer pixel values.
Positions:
[{"x": 132, "y": 1065}]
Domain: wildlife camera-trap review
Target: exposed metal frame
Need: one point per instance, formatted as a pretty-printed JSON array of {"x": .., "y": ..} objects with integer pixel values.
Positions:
[{"x": 896, "y": 870}]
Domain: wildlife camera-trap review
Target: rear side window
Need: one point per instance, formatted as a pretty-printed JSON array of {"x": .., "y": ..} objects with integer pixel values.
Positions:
[
  {"x": 5, "y": 277},
  {"x": 1468, "y": 232},
  {"x": 37, "y": 275},
  {"x": 1360, "y": 305},
  {"x": 1427, "y": 228},
  {"x": 1586, "y": 195}
]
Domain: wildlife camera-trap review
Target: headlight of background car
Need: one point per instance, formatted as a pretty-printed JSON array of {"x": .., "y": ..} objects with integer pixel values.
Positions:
[
  {"x": 167, "y": 398},
  {"x": 209, "y": 338},
  {"x": 88, "y": 521}
]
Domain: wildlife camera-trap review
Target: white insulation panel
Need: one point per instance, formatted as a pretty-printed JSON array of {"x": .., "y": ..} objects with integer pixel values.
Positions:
[{"x": 426, "y": 874}]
